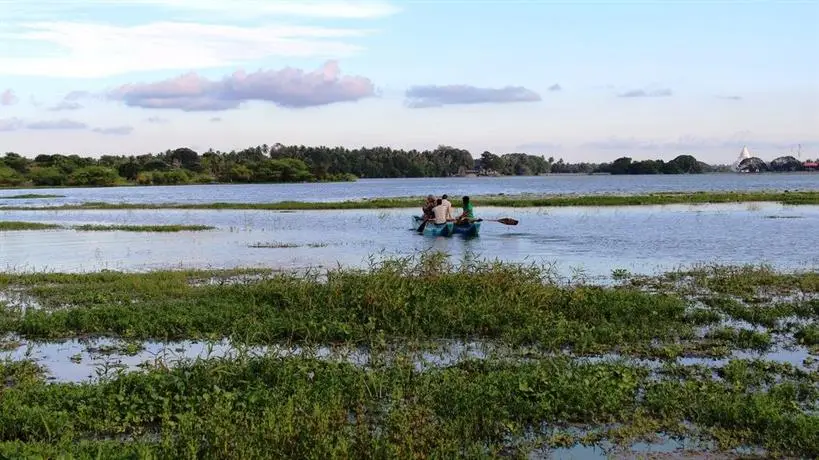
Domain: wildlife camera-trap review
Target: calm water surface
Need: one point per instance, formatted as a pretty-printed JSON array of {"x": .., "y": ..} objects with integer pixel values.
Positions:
[
  {"x": 380, "y": 188},
  {"x": 588, "y": 240}
]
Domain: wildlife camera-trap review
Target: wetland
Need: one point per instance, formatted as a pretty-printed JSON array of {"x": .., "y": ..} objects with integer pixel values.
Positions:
[{"x": 592, "y": 329}]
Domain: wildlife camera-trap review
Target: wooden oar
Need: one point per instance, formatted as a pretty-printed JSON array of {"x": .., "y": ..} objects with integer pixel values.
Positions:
[{"x": 503, "y": 220}]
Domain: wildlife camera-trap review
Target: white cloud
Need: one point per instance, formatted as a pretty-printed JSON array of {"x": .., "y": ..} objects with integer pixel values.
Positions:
[
  {"x": 255, "y": 8},
  {"x": 48, "y": 38},
  {"x": 96, "y": 50},
  {"x": 224, "y": 9}
]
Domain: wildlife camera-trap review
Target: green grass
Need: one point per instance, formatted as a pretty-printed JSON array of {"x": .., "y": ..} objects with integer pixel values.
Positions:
[
  {"x": 7, "y": 226},
  {"x": 418, "y": 299},
  {"x": 791, "y": 198},
  {"x": 27, "y": 196},
  {"x": 303, "y": 408},
  {"x": 534, "y": 397},
  {"x": 142, "y": 228}
]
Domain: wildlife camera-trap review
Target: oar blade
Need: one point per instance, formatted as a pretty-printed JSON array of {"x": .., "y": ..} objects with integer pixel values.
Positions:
[{"x": 508, "y": 221}]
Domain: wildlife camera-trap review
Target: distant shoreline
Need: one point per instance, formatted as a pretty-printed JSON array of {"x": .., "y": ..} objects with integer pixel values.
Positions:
[{"x": 514, "y": 201}]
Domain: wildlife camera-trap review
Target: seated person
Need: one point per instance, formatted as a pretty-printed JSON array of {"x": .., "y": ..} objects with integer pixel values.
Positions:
[
  {"x": 427, "y": 208},
  {"x": 468, "y": 213},
  {"x": 439, "y": 212},
  {"x": 445, "y": 202}
]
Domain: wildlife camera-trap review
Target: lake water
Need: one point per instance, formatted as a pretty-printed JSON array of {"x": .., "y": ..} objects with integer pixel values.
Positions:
[
  {"x": 589, "y": 240},
  {"x": 380, "y": 188}
]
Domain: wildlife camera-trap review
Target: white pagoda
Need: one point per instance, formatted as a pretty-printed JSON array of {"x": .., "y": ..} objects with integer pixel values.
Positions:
[{"x": 745, "y": 154}]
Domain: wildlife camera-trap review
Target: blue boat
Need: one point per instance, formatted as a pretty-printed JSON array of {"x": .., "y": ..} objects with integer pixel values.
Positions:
[
  {"x": 448, "y": 229},
  {"x": 433, "y": 229},
  {"x": 469, "y": 229}
]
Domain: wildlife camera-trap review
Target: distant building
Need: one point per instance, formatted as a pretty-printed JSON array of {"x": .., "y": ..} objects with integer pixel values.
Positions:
[{"x": 812, "y": 165}]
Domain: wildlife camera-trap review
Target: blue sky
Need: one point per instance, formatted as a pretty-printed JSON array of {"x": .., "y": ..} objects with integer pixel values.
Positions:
[{"x": 585, "y": 81}]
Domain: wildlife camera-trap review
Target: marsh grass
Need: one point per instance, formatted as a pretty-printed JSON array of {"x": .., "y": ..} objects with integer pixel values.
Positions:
[
  {"x": 7, "y": 226},
  {"x": 283, "y": 245},
  {"x": 267, "y": 407},
  {"x": 415, "y": 298},
  {"x": 15, "y": 226},
  {"x": 425, "y": 298},
  {"x": 788, "y": 198},
  {"x": 538, "y": 385},
  {"x": 142, "y": 228},
  {"x": 28, "y": 196}
]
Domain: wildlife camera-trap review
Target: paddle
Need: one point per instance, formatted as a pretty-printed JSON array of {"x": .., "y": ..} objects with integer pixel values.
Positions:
[
  {"x": 503, "y": 220},
  {"x": 422, "y": 226}
]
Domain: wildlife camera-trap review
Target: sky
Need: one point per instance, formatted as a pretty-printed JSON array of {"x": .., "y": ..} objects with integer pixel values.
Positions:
[{"x": 582, "y": 80}]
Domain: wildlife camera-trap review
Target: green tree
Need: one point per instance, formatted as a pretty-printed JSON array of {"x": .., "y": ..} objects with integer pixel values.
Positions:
[
  {"x": 94, "y": 176},
  {"x": 48, "y": 176},
  {"x": 10, "y": 177}
]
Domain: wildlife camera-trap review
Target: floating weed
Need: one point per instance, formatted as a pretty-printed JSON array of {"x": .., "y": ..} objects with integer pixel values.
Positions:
[
  {"x": 129, "y": 348},
  {"x": 273, "y": 245}
]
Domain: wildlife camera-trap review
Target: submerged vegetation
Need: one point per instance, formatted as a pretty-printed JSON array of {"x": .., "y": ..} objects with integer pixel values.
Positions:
[
  {"x": 14, "y": 226},
  {"x": 565, "y": 362},
  {"x": 656, "y": 199}
]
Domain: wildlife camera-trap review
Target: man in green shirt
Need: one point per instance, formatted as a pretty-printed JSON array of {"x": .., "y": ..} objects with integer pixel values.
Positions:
[{"x": 468, "y": 213}]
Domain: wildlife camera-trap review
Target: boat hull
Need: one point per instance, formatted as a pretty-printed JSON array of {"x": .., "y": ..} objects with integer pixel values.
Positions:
[
  {"x": 432, "y": 229},
  {"x": 471, "y": 229},
  {"x": 448, "y": 229}
]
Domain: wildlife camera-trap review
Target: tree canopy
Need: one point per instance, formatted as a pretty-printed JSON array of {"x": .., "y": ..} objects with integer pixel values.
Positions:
[{"x": 299, "y": 163}]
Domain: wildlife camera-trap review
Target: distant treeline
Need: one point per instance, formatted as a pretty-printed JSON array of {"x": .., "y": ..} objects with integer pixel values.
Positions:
[{"x": 280, "y": 163}]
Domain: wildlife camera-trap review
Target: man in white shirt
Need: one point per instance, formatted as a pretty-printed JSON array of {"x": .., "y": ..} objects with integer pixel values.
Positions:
[
  {"x": 440, "y": 212},
  {"x": 448, "y": 205}
]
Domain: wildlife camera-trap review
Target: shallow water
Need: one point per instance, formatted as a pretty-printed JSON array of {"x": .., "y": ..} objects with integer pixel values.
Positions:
[
  {"x": 586, "y": 240},
  {"x": 87, "y": 359},
  {"x": 457, "y": 186}
]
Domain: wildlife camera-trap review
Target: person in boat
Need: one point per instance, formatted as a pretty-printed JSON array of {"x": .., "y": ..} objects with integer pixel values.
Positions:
[
  {"x": 467, "y": 214},
  {"x": 427, "y": 207},
  {"x": 448, "y": 204},
  {"x": 439, "y": 212}
]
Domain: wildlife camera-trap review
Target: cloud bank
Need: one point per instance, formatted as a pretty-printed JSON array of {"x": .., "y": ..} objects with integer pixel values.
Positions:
[
  {"x": 438, "y": 96},
  {"x": 556, "y": 87},
  {"x": 66, "y": 105},
  {"x": 115, "y": 130},
  {"x": 289, "y": 87},
  {"x": 694, "y": 143},
  {"x": 56, "y": 125},
  {"x": 64, "y": 124},
  {"x": 7, "y": 97},
  {"x": 10, "y": 124},
  {"x": 95, "y": 50},
  {"x": 663, "y": 92}
]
